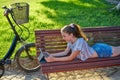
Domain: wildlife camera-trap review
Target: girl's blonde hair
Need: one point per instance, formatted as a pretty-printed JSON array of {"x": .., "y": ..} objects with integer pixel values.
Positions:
[{"x": 75, "y": 30}]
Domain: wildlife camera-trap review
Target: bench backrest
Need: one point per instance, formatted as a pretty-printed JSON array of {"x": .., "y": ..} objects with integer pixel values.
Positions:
[{"x": 52, "y": 42}]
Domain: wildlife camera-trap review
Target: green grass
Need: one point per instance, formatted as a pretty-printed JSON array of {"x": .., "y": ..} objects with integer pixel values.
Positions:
[{"x": 54, "y": 14}]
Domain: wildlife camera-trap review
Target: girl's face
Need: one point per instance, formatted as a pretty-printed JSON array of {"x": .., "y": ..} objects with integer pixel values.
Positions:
[{"x": 67, "y": 37}]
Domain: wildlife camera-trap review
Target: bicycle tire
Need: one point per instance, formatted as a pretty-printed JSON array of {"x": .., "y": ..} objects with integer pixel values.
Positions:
[
  {"x": 26, "y": 63},
  {"x": 2, "y": 70}
]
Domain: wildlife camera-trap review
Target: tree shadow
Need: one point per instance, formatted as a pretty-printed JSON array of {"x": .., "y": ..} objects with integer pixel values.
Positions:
[{"x": 80, "y": 12}]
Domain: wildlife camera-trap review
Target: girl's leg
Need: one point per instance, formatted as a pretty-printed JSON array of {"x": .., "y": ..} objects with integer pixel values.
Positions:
[{"x": 115, "y": 51}]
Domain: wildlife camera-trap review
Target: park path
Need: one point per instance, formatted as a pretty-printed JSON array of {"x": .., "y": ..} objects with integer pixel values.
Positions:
[{"x": 110, "y": 73}]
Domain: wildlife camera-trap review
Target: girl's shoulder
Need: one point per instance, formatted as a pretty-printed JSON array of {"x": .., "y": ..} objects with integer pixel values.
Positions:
[{"x": 80, "y": 39}]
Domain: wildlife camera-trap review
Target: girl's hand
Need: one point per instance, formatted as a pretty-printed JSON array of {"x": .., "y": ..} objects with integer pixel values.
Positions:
[{"x": 49, "y": 59}]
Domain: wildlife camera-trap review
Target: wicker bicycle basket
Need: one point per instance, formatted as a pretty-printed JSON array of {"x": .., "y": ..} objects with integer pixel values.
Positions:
[{"x": 20, "y": 12}]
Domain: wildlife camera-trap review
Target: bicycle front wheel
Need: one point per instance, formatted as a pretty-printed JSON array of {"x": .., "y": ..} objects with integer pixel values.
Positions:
[{"x": 26, "y": 58}]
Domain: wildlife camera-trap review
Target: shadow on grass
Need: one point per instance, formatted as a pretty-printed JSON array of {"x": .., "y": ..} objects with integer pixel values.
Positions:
[{"x": 83, "y": 12}]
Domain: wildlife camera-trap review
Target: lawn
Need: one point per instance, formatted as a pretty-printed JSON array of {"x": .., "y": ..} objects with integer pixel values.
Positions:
[{"x": 54, "y": 14}]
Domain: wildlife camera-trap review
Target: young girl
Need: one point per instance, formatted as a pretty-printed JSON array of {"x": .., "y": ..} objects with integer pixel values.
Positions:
[{"x": 77, "y": 42}]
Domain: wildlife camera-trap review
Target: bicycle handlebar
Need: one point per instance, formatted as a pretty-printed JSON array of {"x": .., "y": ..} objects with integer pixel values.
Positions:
[
  {"x": 6, "y": 13},
  {"x": 7, "y": 10}
]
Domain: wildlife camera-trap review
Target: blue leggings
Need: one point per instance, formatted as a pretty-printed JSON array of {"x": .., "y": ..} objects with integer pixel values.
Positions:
[{"x": 103, "y": 50}]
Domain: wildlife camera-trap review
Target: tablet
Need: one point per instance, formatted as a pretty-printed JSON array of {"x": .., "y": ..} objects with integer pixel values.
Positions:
[{"x": 42, "y": 55}]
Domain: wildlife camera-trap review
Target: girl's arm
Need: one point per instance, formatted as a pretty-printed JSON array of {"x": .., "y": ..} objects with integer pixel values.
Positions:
[
  {"x": 61, "y": 53},
  {"x": 67, "y": 58}
]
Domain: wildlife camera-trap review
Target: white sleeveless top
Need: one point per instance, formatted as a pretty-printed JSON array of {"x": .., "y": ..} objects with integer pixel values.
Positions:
[{"x": 85, "y": 50}]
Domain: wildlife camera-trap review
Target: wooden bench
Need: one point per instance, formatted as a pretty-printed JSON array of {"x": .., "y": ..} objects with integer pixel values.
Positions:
[{"x": 52, "y": 42}]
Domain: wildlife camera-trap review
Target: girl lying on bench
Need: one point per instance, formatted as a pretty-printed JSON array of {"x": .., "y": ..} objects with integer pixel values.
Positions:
[{"x": 77, "y": 42}]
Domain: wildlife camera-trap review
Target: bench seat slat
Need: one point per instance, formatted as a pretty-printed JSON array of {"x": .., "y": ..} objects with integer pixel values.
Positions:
[
  {"x": 79, "y": 61},
  {"x": 80, "y": 66}
]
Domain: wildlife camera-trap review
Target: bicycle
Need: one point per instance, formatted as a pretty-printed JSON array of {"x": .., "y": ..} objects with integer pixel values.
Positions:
[{"x": 25, "y": 56}]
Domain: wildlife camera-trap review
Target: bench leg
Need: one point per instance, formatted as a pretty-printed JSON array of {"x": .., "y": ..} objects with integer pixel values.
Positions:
[{"x": 46, "y": 76}]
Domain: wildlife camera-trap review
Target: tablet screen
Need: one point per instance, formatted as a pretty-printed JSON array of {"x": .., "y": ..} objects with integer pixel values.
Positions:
[{"x": 40, "y": 55}]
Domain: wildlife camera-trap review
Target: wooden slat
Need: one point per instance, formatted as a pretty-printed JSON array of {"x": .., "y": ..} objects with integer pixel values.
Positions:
[
  {"x": 79, "y": 66},
  {"x": 79, "y": 61}
]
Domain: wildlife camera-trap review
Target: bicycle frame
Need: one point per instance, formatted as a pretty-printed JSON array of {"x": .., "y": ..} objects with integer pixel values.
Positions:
[{"x": 11, "y": 49}]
